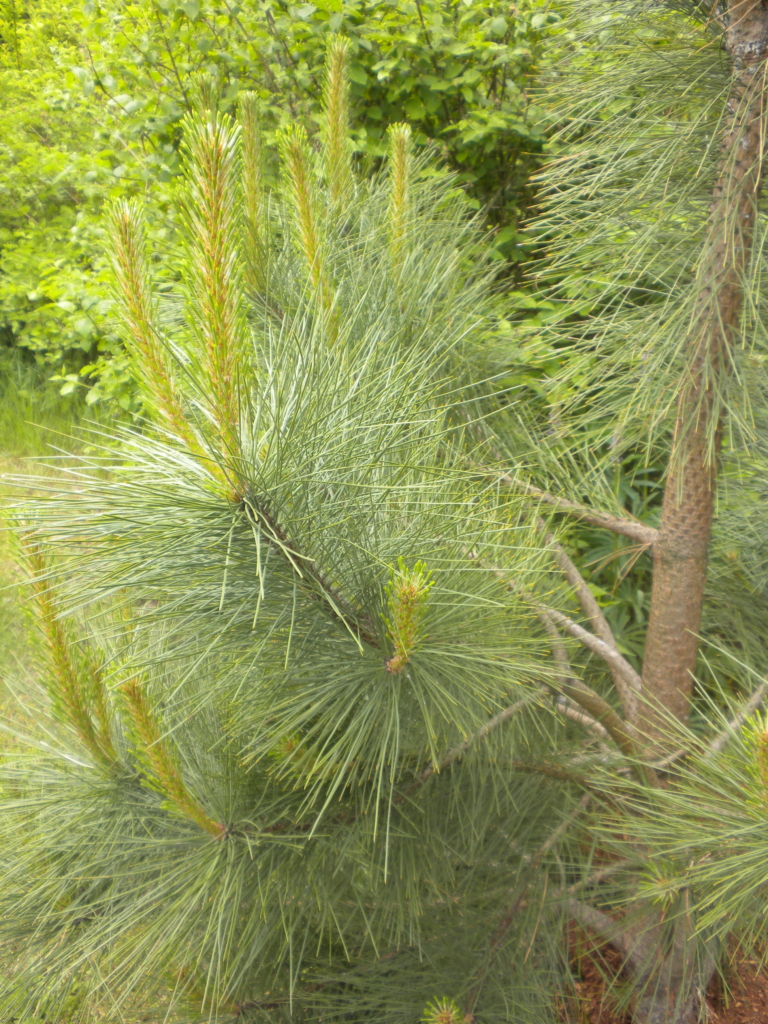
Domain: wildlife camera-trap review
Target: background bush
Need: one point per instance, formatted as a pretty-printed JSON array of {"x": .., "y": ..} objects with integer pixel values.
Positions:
[{"x": 93, "y": 95}]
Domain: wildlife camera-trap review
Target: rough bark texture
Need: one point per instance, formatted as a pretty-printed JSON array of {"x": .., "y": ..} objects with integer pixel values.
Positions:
[{"x": 680, "y": 553}]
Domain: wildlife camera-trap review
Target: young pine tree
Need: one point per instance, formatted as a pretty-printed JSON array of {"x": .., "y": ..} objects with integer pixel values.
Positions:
[{"x": 336, "y": 728}]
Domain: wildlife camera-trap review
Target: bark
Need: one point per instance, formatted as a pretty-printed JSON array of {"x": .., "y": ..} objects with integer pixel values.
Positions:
[
  {"x": 672, "y": 986},
  {"x": 680, "y": 552}
]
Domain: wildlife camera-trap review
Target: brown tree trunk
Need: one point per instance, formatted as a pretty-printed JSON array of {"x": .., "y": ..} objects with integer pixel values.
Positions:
[{"x": 680, "y": 553}]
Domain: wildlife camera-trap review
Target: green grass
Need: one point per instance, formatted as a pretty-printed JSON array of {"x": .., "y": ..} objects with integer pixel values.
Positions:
[
  {"x": 35, "y": 420},
  {"x": 33, "y": 415}
]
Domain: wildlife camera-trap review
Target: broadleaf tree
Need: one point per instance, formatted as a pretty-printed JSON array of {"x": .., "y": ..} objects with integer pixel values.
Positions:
[{"x": 336, "y": 727}]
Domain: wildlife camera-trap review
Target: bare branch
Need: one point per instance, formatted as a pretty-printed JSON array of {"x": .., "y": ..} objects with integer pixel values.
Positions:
[
  {"x": 599, "y": 876},
  {"x": 571, "y": 711},
  {"x": 737, "y": 721},
  {"x": 609, "y": 654},
  {"x": 633, "y": 946},
  {"x": 574, "y": 689},
  {"x": 597, "y": 708},
  {"x": 482, "y": 733},
  {"x": 621, "y": 732},
  {"x": 627, "y": 683},
  {"x": 632, "y": 528},
  {"x": 584, "y": 595},
  {"x": 720, "y": 741}
]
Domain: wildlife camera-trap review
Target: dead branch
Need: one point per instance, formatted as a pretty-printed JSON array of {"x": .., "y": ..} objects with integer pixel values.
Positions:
[
  {"x": 631, "y": 528},
  {"x": 737, "y": 721},
  {"x": 609, "y": 654},
  {"x": 627, "y": 683}
]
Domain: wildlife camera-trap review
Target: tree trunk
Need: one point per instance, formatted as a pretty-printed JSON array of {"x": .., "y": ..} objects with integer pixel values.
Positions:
[
  {"x": 669, "y": 981},
  {"x": 668, "y": 968},
  {"x": 669, "y": 998},
  {"x": 680, "y": 553},
  {"x": 671, "y": 984}
]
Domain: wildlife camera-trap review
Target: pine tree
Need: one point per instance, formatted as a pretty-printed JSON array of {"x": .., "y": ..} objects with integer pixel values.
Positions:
[{"x": 336, "y": 728}]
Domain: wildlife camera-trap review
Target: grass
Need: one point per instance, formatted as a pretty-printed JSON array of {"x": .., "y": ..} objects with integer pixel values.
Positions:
[{"x": 35, "y": 420}]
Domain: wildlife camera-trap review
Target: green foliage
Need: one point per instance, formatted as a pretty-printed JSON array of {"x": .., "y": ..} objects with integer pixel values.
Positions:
[
  {"x": 93, "y": 97},
  {"x": 348, "y": 775},
  {"x": 52, "y": 177},
  {"x": 623, "y": 212},
  {"x": 272, "y": 819},
  {"x": 33, "y": 416}
]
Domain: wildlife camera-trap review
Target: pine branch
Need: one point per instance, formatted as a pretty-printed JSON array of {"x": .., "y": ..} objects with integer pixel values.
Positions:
[
  {"x": 506, "y": 922},
  {"x": 399, "y": 136},
  {"x": 253, "y": 191},
  {"x": 577, "y": 691},
  {"x": 312, "y": 581},
  {"x": 635, "y": 530},
  {"x": 76, "y": 689},
  {"x": 737, "y": 721},
  {"x": 336, "y": 113},
  {"x": 610, "y": 655},
  {"x": 215, "y": 297},
  {"x": 143, "y": 338},
  {"x": 482, "y": 733},
  {"x": 574, "y": 689},
  {"x": 151, "y": 750},
  {"x": 300, "y": 188},
  {"x": 570, "y": 710},
  {"x": 597, "y": 877},
  {"x": 586, "y": 599}
]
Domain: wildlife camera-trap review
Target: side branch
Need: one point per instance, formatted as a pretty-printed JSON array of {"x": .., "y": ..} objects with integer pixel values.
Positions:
[
  {"x": 737, "y": 721},
  {"x": 484, "y": 730},
  {"x": 570, "y": 710},
  {"x": 609, "y": 654},
  {"x": 626, "y": 680},
  {"x": 631, "y": 528},
  {"x": 637, "y": 951},
  {"x": 595, "y": 706}
]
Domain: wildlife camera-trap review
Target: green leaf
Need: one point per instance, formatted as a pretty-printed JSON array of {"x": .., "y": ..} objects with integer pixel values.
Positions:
[
  {"x": 357, "y": 74},
  {"x": 415, "y": 109}
]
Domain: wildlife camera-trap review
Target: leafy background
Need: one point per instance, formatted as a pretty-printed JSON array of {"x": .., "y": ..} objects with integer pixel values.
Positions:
[{"x": 92, "y": 99}]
